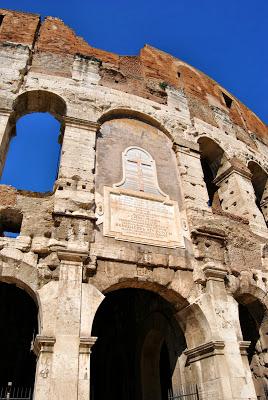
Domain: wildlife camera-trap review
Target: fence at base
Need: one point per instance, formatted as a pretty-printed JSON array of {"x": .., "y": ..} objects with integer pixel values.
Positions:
[
  {"x": 13, "y": 392},
  {"x": 189, "y": 392}
]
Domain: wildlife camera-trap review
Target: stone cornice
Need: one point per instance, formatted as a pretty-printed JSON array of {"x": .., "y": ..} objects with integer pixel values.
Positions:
[
  {"x": 181, "y": 144},
  {"x": 86, "y": 344},
  {"x": 243, "y": 346},
  {"x": 43, "y": 344},
  {"x": 232, "y": 170},
  {"x": 6, "y": 112},
  {"x": 209, "y": 233},
  {"x": 81, "y": 123},
  {"x": 209, "y": 349},
  {"x": 90, "y": 216}
]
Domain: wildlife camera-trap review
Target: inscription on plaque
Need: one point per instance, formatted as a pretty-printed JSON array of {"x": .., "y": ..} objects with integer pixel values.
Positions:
[
  {"x": 136, "y": 209},
  {"x": 135, "y": 218}
]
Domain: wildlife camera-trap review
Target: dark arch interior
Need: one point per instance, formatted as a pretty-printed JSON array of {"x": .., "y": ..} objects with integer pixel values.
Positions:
[
  {"x": 259, "y": 182},
  {"x": 249, "y": 328},
  {"x": 211, "y": 161},
  {"x": 208, "y": 178},
  {"x": 123, "y": 324},
  {"x": 254, "y": 327},
  {"x": 18, "y": 316}
]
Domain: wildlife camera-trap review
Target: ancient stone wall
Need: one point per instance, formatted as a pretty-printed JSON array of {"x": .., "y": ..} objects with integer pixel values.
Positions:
[{"x": 130, "y": 206}]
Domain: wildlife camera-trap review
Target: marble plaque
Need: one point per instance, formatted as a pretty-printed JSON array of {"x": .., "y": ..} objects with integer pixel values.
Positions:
[{"x": 141, "y": 217}]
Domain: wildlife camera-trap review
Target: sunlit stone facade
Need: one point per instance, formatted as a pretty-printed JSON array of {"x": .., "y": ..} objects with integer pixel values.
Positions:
[{"x": 148, "y": 262}]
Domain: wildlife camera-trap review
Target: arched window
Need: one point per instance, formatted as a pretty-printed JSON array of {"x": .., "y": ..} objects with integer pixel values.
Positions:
[
  {"x": 260, "y": 184},
  {"x": 211, "y": 160},
  {"x": 33, "y": 155}
]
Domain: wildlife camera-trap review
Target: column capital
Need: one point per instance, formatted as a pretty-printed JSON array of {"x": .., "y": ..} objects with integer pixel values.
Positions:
[
  {"x": 209, "y": 349},
  {"x": 86, "y": 343},
  {"x": 81, "y": 123},
  {"x": 43, "y": 344},
  {"x": 214, "y": 273},
  {"x": 72, "y": 256}
]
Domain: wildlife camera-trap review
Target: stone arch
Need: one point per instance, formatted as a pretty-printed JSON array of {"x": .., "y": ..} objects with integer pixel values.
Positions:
[
  {"x": 259, "y": 181},
  {"x": 248, "y": 284},
  {"x": 118, "y": 113},
  {"x": 140, "y": 320},
  {"x": 170, "y": 295},
  {"x": 39, "y": 101},
  {"x": 190, "y": 317},
  {"x": 25, "y": 105}
]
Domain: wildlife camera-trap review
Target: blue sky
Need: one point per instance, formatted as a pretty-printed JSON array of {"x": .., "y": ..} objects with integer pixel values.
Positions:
[
  {"x": 225, "y": 39},
  {"x": 26, "y": 166}
]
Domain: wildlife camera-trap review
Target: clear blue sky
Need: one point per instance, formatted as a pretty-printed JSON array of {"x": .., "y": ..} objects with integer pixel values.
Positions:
[{"x": 225, "y": 39}]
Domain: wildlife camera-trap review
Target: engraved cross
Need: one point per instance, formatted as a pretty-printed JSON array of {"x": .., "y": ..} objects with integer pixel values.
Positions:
[{"x": 140, "y": 163}]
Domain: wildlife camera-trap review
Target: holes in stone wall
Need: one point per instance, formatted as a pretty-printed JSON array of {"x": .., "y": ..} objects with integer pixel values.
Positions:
[{"x": 228, "y": 101}]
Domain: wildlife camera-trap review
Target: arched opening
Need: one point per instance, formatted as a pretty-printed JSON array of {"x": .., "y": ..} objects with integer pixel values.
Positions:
[
  {"x": 138, "y": 348},
  {"x": 33, "y": 142},
  {"x": 121, "y": 113},
  {"x": 211, "y": 160},
  {"x": 260, "y": 185},
  {"x": 253, "y": 319},
  {"x": 19, "y": 326}
]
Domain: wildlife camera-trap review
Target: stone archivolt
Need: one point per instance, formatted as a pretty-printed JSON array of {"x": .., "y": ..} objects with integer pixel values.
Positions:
[{"x": 160, "y": 200}]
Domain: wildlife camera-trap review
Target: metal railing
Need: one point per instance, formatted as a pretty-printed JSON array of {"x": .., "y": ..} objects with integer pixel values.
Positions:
[
  {"x": 14, "y": 392},
  {"x": 189, "y": 392}
]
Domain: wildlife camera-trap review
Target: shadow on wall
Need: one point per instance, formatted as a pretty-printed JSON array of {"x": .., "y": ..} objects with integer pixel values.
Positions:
[{"x": 33, "y": 156}]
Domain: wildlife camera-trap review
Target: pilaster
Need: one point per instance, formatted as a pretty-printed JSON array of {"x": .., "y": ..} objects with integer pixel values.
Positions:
[
  {"x": 235, "y": 371},
  {"x": 43, "y": 348},
  {"x": 237, "y": 194},
  {"x": 74, "y": 188},
  {"x": 191, "y": 173},
  {"x": 65, "y": 369},
  {"x": 85, "y": 346}
]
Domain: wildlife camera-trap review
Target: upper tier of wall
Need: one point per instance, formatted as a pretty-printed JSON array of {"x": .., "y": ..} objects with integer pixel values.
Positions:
[{"x": 146, "y": 75}]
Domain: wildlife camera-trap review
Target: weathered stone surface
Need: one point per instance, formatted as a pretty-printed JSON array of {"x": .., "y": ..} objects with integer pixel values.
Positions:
[{"x": 205, "y": 261}]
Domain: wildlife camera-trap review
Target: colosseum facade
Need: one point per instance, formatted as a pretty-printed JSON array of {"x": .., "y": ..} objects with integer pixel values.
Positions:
[{"x": 143, "y": 273}]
